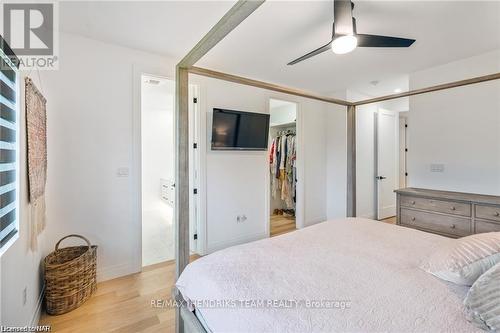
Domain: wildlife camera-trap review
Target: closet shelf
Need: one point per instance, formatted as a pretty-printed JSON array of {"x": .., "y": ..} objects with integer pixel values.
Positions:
[{"x": 284, "y": 125}]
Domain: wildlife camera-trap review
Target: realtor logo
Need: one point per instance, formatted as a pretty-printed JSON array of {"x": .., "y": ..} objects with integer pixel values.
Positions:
[{"x": 30, "y": 30}]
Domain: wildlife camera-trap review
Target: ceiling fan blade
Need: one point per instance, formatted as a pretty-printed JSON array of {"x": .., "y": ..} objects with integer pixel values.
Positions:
[
  {"x": 311, "y": 54},
  {"x": 342, "y": 18},
  {"x": 382, "y": 41}
]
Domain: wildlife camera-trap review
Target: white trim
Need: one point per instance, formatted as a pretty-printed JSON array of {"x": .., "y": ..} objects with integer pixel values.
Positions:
[
  {"x": 300, "y": 203},
  {"x": 316, "y": 220},
  {"x": 196, "y": 246},
  {"x": 136, "y": 171},
  {"x": 202, "y": 229},
  {"x": 35, "y": 318},
  {"x": 300, "y": 209},
  {"x": 115, "y": 271},
  {"x": 237, "y": 241}
]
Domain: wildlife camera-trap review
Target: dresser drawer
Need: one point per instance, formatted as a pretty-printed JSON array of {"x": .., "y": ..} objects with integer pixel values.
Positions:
[
  {"x": 441, "y": 206},
  {"x": 488, "y": 212},
  {"x": 483, "y": 226},
  {"x": 435, "y": 222}
]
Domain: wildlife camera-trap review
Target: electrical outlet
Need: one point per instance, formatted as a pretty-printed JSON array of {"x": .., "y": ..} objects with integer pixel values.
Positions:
[
  {"x": 25, "y": 295},
  {"x": 437, "y": 167},
  {"x": 122, "y": 172},
  {"x": 241, "y": 218}
]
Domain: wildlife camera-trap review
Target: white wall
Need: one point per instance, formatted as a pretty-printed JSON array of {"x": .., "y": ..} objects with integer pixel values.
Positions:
[
  {"x": 21, "y": 267},
  {"x": 459, "y": 128},
  {"x": 236, "y": 182},
  {"x": 92, "y": 112},
  {"x": 336, "y": 161},
  {"x": 90, "y": 135}
]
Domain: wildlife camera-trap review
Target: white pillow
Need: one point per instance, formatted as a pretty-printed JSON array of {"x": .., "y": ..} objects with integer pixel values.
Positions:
[
  {"x": 464, "y": 260},
  {"x": 482, "y": 303}
]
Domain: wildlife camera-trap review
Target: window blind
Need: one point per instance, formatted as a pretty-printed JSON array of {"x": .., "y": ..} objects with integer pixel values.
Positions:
[{"x": 8, "y": 144}]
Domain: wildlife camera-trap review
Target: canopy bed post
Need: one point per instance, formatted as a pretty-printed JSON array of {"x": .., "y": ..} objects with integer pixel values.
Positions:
[
  {"x": 351, "y": 161},
  {"x": 182, "y": 171},
  {"x": 181, "y": 178},
  {"x": 237, "y": 14}
]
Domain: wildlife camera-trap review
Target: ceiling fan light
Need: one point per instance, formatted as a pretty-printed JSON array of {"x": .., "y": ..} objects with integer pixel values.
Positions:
[{"x": 344, "y": 44}]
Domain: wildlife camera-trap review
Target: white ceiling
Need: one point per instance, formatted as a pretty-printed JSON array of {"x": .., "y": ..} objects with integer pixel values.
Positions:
[
  {"x": 281, "y": 31},
  {"x": 169, "y": 28}
]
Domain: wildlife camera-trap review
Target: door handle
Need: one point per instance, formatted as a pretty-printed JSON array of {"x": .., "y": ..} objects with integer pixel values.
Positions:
[{"x": 380, "y": 177}]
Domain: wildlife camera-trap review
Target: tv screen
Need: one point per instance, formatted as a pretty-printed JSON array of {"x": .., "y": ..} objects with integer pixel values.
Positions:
[{"x": 236, "y": 130}]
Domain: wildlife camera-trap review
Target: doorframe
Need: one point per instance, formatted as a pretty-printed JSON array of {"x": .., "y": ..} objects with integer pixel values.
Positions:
[
  {"x": 403, "y": 133},
  {"x": 136, "y": 165},
  {"x": 376, "y": 154},
  {"x": 138, "y": 70},
  {"x": 300, "y": 187}
]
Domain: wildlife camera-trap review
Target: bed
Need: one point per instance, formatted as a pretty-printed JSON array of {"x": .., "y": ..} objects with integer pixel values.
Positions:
[{"x": 347, "y": 275}]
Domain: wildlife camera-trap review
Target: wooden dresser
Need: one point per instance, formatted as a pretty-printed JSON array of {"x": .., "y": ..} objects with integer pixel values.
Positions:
[{"x": 451, "y": 214}]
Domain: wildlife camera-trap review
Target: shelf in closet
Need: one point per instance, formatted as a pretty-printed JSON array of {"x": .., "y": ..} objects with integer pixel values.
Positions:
[{"x": 284, "y": 125}]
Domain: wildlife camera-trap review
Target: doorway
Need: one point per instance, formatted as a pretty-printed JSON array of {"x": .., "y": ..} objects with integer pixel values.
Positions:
[
  {"x": 283, "y": 148},
  {"x": 386, "y": 162},
  {"x": 157, "y": 169}
]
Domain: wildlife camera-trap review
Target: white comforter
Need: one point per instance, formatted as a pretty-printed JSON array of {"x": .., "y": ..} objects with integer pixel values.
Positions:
[{"x": 371, "y": 264}]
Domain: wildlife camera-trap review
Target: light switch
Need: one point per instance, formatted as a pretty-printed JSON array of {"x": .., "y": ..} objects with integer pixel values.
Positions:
[
  {"x": 437, "y": 167},
  {"x": 122, "y": 172}
]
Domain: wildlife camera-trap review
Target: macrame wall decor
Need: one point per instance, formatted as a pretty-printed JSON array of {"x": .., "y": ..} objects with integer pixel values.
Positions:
[{"x": 36, "y": 131}]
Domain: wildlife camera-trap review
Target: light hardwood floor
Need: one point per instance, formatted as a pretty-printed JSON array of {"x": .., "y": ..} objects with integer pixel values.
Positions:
[
  {"x": 124, "y": 304},
  {"x": 281, "y": 224},
  {"x": 390, "y": 220}
]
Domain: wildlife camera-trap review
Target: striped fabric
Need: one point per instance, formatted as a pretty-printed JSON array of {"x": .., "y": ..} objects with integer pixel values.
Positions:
[
  {"x": 8, "y": 144},
  {"x": 465, "y": 259},
  {"x": 482, "y": 304}
]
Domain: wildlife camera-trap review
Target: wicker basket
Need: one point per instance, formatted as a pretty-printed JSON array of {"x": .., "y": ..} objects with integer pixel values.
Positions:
[{"x": 70, "y": 276}]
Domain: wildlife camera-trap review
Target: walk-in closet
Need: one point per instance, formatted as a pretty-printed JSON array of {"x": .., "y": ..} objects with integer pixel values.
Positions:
[{"x": 282, "y": 166}]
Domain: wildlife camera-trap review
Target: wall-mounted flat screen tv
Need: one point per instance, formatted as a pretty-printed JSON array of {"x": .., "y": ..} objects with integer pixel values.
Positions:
[{"x": 237, "y": 130}]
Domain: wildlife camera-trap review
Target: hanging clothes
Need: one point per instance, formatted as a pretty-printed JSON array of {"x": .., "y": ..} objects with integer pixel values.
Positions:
[{"x": 282, "y": 160}]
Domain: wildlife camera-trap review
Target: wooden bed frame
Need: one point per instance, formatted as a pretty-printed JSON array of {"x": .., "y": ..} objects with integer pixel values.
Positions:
[{"x": 185, "y": 320}]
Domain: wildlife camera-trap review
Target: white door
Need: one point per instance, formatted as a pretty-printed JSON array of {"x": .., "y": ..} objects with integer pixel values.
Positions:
[{"x": 387, "y": 145}]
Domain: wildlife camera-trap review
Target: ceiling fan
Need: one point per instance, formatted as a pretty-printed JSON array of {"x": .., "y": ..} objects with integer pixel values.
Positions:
[{"x": 345, "y": 37}]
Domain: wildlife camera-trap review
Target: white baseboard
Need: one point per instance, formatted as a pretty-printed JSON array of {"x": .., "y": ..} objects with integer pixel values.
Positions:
[
  {"x": 312, "y": 221},
  {"x": 115, "y": 271},
  {"x": 222, "y": 245},
  {"x": 371, "y": 216},
  {"x": 35, "y": 318}
]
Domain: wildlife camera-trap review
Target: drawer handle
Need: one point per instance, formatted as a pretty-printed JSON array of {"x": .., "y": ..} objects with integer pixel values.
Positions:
[
  {"x": 453, "y": 208},
  {"x": 453, "y": 226},
  {"x": 413, "y": 202}
]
